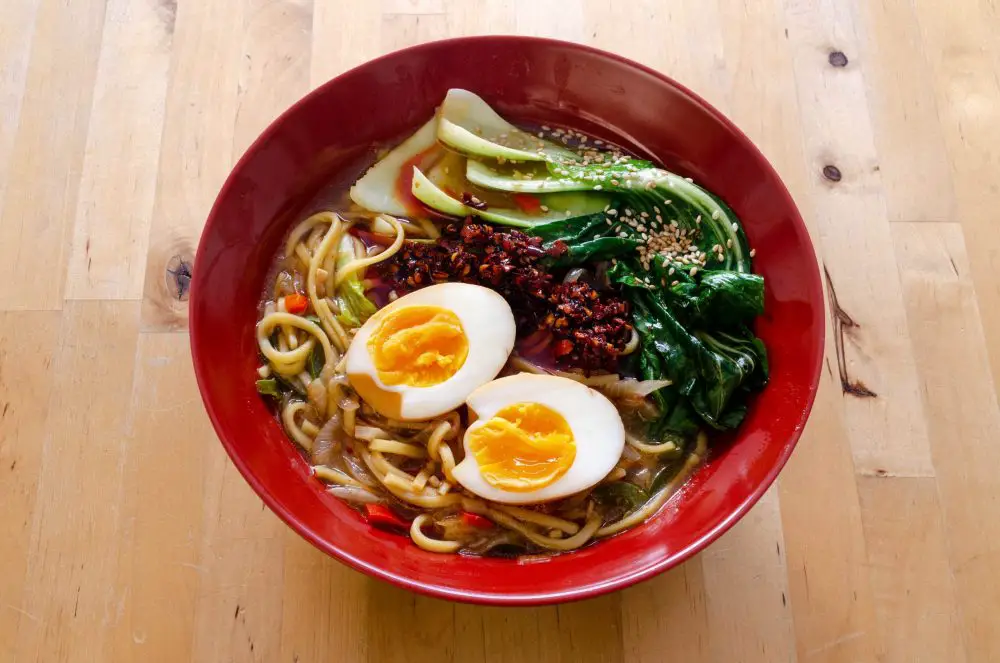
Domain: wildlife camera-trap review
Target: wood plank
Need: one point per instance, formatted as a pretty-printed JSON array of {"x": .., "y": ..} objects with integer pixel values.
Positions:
[
  {"x": 829, "y": 584},
  {"x": 323, "y": 606},
  {"x": 968, "y": 100},
  {"x": 199, "y": 132},
  {"x": 161, "y": 505},
  {"x": 334, "y": 49},
  {"x": 963, "y": 417},
  {"x": 881, "y": 399},
  {"x": 912, "y": 159},
  {"x": 27, "y": 348},
  {"x": 17, "y": 28},
  {"x": 413, "y": 6},
  {"x": 746, "y": 585},
  {"x": 584, "y": 631},
  {"x": 911, "y": 580},
  {"x": 107, "y": 257},
  {"x": 505, "y": 635},
  {"x": 667, "y": 614},
  {"x": 479, "y": 18},
  {"x": 44, "y": 167},
  {"x": 683, "y": 40},
  {"x": 404, "y": 627},
  {"x": 70, "y": 596},
  {"x": 275, "y": 64},
  {"x": 238, "y": 608},
  {"x": 557, "y": 19},
  {"x": 402, "y": 30}
]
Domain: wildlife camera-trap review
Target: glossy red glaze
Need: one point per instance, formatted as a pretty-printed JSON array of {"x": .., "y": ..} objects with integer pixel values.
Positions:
[{"x": 329, "y": 135}]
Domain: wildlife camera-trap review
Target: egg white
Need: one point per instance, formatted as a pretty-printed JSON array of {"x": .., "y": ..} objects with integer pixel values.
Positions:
[
  {"x": 596, "y": 425},
  {"x": 489, "y": 329}
]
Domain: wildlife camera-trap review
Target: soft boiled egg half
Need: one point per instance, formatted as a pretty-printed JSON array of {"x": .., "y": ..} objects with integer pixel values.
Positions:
[
  {"x": 537, "y": 438},
  {"x": 423, "y": 354}
]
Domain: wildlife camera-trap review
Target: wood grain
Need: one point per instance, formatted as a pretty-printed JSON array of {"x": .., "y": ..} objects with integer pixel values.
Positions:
[
  {"x": 198, "y": 130},
  {"x": 127, "y": 533},
  {"x": 107, "y": 256},
  {"x": 43, "y": 172},
  {"x": 27, "y": 349},
  {"x": 963, "y": 418},
  {"x": 887, "y": 431}
]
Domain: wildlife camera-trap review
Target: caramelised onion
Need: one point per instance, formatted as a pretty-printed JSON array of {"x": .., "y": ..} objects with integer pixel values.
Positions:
[
  {"x": 327, "y": 441},
  {"x": 354, "y": 494},
  {"x": 632, "y": 388},
  {"x": 357, "y": 469},
  {"x": 316, "y": 393}
]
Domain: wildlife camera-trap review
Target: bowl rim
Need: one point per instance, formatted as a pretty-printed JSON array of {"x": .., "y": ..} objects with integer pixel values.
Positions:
[{"x": 592, "y": 589}]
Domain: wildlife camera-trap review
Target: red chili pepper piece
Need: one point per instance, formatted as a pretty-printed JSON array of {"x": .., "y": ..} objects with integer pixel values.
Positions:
[
  {"x": 296, "y": 303},
  {"x": 382, "y": 516},
  {"x": 527, "y": 203},
  {"x": 563, "y": 347},
  {"x": 475, "y": 520}
]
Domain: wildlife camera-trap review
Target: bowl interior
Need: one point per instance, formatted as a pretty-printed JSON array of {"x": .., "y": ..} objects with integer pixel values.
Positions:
[{"x": 324, "y": 142}]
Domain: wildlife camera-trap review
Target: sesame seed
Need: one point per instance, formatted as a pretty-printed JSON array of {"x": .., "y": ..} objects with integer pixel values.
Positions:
[
  {"x": 753, "y": 252},
  {"x": 721, "y": 257},
  {"x": 598, "y": 142},
  {"x": 689, "y": 179},
  {"x": 613, "y": 212},
  {"x": 735, "y": 226},
  {"x": 694, "y": 270},
  {"x": 674, "y": 283},
  {"x": 614, "y": 182},
  {"x": 729, "y": 243},
  {"x": 669, "y": 202},
  {"x": 715, "y": 215},
  {"x": 659, "y": 218},
  {"x": 697, "y": 219},
  {"x": 598, "y": 187},
  {"x": 568, "y": 212},
  {"x": 545, "y": 208},
  {"x": 607, "y": 221},
  {"x": 546, "y": 128}
]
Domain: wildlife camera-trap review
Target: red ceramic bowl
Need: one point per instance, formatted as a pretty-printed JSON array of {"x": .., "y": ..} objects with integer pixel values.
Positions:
[{"x": 329, "y": 137}]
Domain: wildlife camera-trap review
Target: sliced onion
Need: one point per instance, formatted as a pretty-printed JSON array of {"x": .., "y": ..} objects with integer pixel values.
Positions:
[
  {"x": 327, "y": 441},
  {"x": 357, "y": 469},
  {"x": 316, "y": 393},
  {"x": 632, "y": 388},
  {"x": 354, "y": 495}
]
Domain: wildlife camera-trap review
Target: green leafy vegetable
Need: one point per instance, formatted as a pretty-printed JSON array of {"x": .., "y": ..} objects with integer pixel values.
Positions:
[
  {"x": 315, "y": 362},
  {"x": 586, "y": 239},
  {"x": 354, "y": 306},
  {"x": 713, "y": 370},
  {"x": 268, "y": 387},
  {"x": 620, "y": 495}
]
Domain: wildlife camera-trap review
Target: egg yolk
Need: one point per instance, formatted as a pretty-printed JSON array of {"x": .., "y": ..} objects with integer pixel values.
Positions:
[
  {"x": 523, "y": 447},
  {"x": 419, "y": 346}
]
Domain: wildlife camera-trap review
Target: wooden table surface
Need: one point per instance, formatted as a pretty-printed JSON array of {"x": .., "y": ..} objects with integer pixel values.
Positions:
[{"x": 127, "y": 535}]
